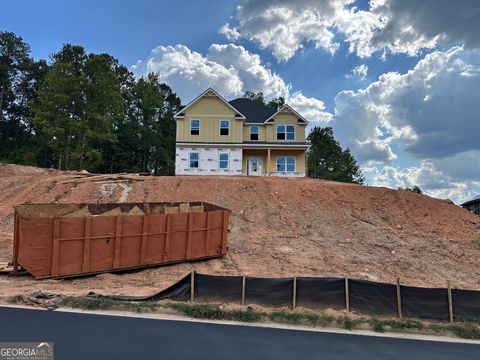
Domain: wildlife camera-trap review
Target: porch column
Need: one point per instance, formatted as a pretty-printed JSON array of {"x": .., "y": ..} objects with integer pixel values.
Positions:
[{"x": 268, "y": 162}]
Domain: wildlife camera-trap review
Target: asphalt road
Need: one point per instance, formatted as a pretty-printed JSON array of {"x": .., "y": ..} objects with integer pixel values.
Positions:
[{"x": 89, "y": 336}]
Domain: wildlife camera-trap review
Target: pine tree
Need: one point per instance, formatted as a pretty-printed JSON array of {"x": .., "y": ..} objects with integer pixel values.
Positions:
[{"x": 326, "y": 159}]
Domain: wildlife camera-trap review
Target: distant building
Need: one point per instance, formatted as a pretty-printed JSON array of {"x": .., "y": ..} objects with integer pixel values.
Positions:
[{"x": 473, "y": 205}]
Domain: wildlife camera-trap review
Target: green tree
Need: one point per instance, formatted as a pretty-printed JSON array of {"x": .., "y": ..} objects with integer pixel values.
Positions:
[
  {"x": 415, "y": 189},
  {"x": 277, "y": 103},
  {"x": 326, "y": 159},
  {"x": 77, "y": 107},
  {"x": 255, "y": 96},
  {"x": 146, "y": 137},
  {"x": 258, "y": 97},
  {"x": 19, "y": 76}
]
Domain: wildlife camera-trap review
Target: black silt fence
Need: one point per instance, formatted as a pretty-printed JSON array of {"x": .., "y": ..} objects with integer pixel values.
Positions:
[
  {"x": 426, "y": 303},
  {"x": 269, "y": 292},
  {"x": 466, "y": 305},
  {"x": 373, "y": 297},
  {"x": 309, "y": 292},
  {"x": 210, "y": 288},
  {"x": 321, "y": 292}
]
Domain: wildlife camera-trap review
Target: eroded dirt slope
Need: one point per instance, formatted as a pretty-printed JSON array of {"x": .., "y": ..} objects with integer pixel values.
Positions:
[{"x": 279, "y": 227}]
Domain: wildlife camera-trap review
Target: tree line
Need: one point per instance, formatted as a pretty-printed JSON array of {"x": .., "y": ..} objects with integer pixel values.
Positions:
[{"x": 84, "y": 110}]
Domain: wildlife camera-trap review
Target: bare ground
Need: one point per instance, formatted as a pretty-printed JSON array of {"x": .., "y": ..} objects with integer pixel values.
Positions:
[{"x": 279, "y": 227}]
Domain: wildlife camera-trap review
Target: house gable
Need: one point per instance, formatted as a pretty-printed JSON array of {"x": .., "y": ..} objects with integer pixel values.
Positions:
[
  {"x": 214, "y": 103},
  {"x": 286, "y": 116},
  {"x": 209, "y": 109}
]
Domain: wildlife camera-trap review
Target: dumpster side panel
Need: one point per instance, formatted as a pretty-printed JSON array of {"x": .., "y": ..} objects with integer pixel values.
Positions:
[
  {"x": 35, "y": 245},
  {"x": 155, "y": 248},
  {"x": 102, "y": 242},
  {"x": 178, "y": 237},
  {"x": 71, "y": 243},
  {"x": 198, "y": 230},
  {"x": 215, "y": 233},
  {"x": 131, "y": 241}
]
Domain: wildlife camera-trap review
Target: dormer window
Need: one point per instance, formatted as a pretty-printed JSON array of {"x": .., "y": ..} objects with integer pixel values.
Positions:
[
  {"x": 224, "y": 127},
  {"x": 254, "y": 133},
  {"x": 194, "y": 127},
  {"x": 286, "y": 132}
]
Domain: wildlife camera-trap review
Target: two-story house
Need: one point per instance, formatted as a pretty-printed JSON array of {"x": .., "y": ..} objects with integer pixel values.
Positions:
[{"x": 240, "y": 137}]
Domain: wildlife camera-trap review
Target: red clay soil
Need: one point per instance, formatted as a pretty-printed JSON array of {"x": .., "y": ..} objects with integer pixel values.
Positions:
[{"x": 279, "y": 227}]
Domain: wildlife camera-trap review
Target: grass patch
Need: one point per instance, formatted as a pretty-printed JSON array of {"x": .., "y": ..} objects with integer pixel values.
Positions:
[
  {"x": 91, "y": 303},
  {"x": 215, "y": 312},
  {"x": 16, "y": 299},
  {"x": 465, "y": 331},
  {"x": 305, "y": 318},
  {"x": 380, "y": 325}
]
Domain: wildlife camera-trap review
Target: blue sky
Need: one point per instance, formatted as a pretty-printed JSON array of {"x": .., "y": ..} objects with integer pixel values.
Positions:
[{"x": 396, "y": 79}]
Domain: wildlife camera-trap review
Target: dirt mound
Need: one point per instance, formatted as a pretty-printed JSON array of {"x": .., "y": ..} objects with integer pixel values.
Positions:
[
  {"x": 12, "y": 169},
  {"x": 279, "y": 227}
]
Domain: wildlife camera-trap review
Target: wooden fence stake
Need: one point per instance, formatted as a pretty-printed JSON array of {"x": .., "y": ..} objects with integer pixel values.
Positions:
[
  {"x": 347, "y": 296},
  {"x": 294, "y": 293},
  {"x": 244, "y": 281},
  {"x": 192, "y": 286},
  {"x": 399, "y": 299},
  {"x": 450, "y": 303}
]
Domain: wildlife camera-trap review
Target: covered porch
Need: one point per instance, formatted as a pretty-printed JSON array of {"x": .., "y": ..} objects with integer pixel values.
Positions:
[{"x": 274, "y": 162}]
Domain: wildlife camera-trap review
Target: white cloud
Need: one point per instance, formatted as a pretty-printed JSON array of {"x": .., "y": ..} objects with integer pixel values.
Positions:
[
  {"x": 428, "y": 114},
  {"x": 431, "y": 110},
  {"x": 396, "y": 26},
  {"x": 187, "y": 71},
  {"x": 230, "y": 33},
  {"x": 311, "y": 108},
  {"x": 358, "y": 72},
  {"x": 431, "y": 180},
  {"x": 230, "y": 69}
]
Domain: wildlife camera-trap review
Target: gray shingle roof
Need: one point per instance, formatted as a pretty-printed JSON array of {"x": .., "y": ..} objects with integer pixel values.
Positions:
[{"x": 254, "y": 112}]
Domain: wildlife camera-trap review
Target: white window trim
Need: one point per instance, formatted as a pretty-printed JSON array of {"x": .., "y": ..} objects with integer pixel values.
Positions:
[
  {"x": 286, "y": 163},
  {"x": 220, "y": 127},
  {"x": 228, "y": 161},
  {"x": 190, "y": 160},
  {"x": 258, "y": 132},
  {"x": 199, "y": 125},
  {"x": 294, "y": 133}
]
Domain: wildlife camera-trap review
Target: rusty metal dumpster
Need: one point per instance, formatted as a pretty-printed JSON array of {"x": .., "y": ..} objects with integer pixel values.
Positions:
[{"x": 62, "y": 240}]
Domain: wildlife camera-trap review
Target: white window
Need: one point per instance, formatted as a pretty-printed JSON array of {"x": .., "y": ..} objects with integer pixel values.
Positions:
[
  {"x": 253, "y": 132},
  {"x": 194, "y": 127},
  {"x": 224, "y": 126},
  {"x": 286, "y": 132},
  {"x": 194, "y": 160},
  {"x": 286, "y": 163},
  {"x": 223, "y": 161}
]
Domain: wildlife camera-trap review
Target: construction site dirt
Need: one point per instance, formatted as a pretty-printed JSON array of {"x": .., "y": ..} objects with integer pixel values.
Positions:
[{"x": 279, "y": 227}]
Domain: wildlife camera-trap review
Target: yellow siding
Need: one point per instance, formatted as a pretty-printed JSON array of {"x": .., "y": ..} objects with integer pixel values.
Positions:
[
  {"x": 299, "y": 162},
  {"x": 261, "y": 132},
  {"x": 210, "y": 110},
  {"x": 285, "y": 118},
  {"x": 300, "y": 165}
]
